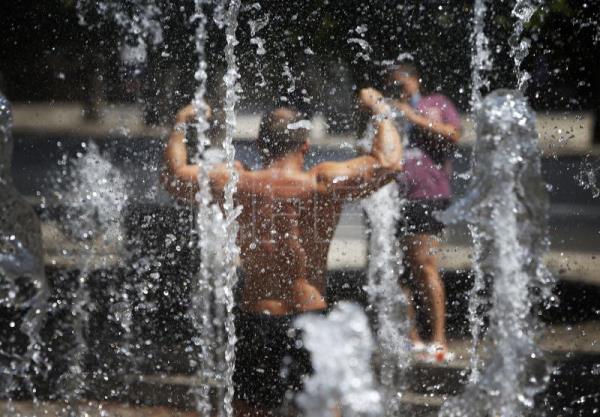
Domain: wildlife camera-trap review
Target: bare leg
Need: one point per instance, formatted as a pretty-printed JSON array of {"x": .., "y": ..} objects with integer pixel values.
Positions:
[
  {"x": 424, "y": 267},
  {"x": 414, "y": 334}
]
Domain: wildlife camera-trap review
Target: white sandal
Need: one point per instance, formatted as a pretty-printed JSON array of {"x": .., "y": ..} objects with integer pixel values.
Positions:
[{"x": 436, "y": 353}]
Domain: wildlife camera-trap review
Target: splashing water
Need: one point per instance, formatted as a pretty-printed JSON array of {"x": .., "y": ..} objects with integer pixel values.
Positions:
[
  {"x": 300, "y": 124},
  {"x": 588, "y": 177},
  {"x": 259, "y": 42},
  {"x": 256, "y": 25},
  {"x": 208, "y": 308},
  {"x": 287, "y": 73},
  {"x": 481, "y": 61},
  {"x": 366, "y": 49},
  {"x": 481, "y": 58},
  {"x": 341, "y": 347},
  {"x": 219, "y": 13},
  {"x": 203, "y": 287},
  {"x": 476, "y": 301},
  {"x": 96, "y": 197},
  {"x": 385, "y": 297},
  {"x": 138, "y": 21},
  {"x": 23, "y": 286},
  {"x": 383, "y": 210},
  {"x": 199, "y": 103},
  {"x": 507, "y": 208},
  {"x": 92, "y": 217},
  {"x": 230, "y": 210},
  {"x": 519, "y": 46},
  {"x": 212, "y": 303}
]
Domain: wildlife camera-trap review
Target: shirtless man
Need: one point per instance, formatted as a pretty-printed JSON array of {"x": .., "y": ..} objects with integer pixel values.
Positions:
[{"x": 288, "y": 220}]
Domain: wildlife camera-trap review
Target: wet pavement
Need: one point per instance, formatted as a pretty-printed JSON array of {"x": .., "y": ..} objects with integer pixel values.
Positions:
[{"x": 88, "y": 409}]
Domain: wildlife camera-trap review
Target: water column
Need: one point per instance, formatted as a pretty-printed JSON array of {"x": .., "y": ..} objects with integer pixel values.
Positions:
[
  {"x": 23, "y": 286},
  {"x": 256, "y": 25},
  {"x": 385, "y": 296},
  {"x": 523, "y": 10},
  {"x": 481, "y": 60},
  {"x": 383, "y": 210},
  {"x": 200, "y": 310},
  {"x": 340, "y": 346},
  {"x": 212, "y": 301},
  {"x": 207, "y": 310},
  {"x": 507, "y": 206},
  {"x": 230, "y": 210}
]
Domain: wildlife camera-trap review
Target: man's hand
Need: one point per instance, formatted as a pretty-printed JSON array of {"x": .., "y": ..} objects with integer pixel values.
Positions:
[
  {"x": 357, "y": 177},
  {"x": 405, "y": 108},
  {"x": 371, "y": 100},
  {"x": 187, "y": 114},
  {"x": 439, "y": 129}
]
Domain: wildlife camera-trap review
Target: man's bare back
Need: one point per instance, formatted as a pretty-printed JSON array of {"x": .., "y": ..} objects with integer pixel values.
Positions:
[
  {"x": 285, "y": 232},
  {"x": 290, "y": 214}
]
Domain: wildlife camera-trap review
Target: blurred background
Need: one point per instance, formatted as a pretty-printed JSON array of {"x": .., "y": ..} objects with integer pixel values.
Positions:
[{"x": 308, "y": 54}]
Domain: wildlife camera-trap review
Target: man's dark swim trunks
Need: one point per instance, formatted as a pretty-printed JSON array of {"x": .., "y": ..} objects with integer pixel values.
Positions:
[{"x": 270, "y": 359}]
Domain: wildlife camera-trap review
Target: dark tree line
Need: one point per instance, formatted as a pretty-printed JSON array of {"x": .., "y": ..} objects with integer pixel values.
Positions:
[{"x": 313, "y": 53}]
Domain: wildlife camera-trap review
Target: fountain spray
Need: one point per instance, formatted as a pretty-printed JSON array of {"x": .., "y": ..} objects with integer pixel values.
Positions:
[
  {"x": 507, "y": 208},
  {"x": 341, "y": 346},
  {"x": 200, "y": 310},
  {"x": 212, "y": 304},
  {"x": 383, "y": 209},
  {"x": 230, "y": 210},
  {"x": 137, "y": 20},
  {"x": 523, "y": 10},
  {"x": 207, "y": 309},
  {"x": 481, "y": 60},
  {"x": 589, "y": 175},
  {"x": 23, "y": 286},
  {"x": 92, "y": 213},
  {"x": 256, "y": 25}
]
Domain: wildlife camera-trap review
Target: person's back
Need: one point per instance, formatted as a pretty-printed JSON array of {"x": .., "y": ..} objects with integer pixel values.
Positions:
[
  {"x": 286, "y": 228},
  {"x": 288, "y": 219}
]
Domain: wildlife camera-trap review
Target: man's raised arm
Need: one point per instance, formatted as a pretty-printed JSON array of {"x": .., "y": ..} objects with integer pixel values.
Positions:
[
  {"x": 178, "y": 176},
  {"x": 360, "y": 176},
  {"x": 387, "y": 146}
]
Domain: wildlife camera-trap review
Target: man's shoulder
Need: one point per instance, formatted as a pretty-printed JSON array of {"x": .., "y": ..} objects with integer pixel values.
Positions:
[
  {"x": 322, "y": 168},
  {"x": 329, "y": 170},
  {"x": 268, "y": 180}
]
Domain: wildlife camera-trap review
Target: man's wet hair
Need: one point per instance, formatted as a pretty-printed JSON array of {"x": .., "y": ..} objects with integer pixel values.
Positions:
[{"x": 280, "y": 134}]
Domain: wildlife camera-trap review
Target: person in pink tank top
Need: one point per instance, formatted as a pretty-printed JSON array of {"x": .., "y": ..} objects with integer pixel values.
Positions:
[{"x": 433, "y": 127}]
